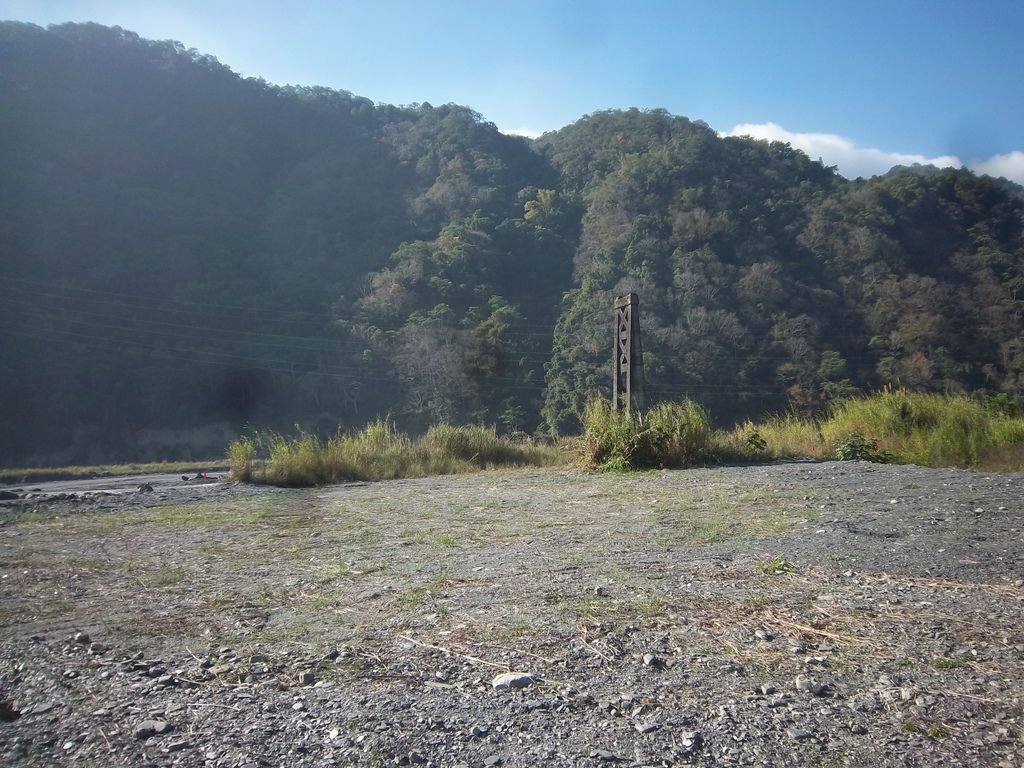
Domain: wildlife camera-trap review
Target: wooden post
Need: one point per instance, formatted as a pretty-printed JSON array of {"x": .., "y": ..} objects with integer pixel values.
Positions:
[{"x": 627, "y": 387}]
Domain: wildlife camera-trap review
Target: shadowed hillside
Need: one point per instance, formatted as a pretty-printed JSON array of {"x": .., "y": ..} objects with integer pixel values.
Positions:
[{"x": 187, "y": 253}]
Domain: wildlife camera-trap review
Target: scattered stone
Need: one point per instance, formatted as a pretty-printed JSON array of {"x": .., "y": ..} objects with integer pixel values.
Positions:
[
  {"x": 8, "y": 496},
  {"x": 8, "y": 713},
  {"x": 148, "y": 728},
  {"x": 808, "y": 685},
  {"x": 869, "y": 703},
  {"x": 511, "y": 680},
  {"x": 82, "y": 638},
  {"x": 691, "y": 742},
  {"x": 379, "y": 709},
  {"x": 650, "y": 660}
]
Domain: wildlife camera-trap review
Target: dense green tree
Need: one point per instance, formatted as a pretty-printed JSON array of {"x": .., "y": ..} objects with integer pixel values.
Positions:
[{"x": 186, "y": 253}]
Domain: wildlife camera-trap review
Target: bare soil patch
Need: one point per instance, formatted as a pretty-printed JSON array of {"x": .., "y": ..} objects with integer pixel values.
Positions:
[{"x": 792, "y": 614}]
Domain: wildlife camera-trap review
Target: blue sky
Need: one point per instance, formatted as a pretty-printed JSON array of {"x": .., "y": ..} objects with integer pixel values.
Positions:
[{"x": 863, "y": 85}]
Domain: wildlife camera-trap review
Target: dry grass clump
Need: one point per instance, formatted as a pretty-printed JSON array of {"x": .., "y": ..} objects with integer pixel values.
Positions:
[
  {"x": 380, "y": 452},
  {"x": 668, "y": 435}
]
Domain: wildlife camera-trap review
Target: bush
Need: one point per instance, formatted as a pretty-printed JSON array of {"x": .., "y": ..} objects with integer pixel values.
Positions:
[{"x": 856, "y": 448}]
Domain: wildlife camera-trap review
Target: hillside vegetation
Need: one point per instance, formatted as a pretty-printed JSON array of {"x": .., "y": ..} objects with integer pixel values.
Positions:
[{"x": 188, "y": 255}]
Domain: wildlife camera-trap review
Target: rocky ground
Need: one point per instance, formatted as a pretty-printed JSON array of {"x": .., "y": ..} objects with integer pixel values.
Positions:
[{"x": 793, "y": 614}]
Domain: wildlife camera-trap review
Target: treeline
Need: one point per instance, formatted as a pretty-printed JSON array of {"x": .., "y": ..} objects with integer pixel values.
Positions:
[
  {"x": 769, "y": 282},
  {"x": 186, "y": 254}
]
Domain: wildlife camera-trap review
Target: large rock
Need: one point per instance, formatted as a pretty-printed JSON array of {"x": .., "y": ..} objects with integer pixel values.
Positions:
[{"x": 510, "y": 680}]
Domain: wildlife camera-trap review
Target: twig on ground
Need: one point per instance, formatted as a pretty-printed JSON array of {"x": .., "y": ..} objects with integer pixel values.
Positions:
[
  {"x": 775, "y": 618},
  {"x": 958, "y": 695},
  {"x": 475, "y": 659},
  {"x": 594, "y": 650},
  {"x": 1006, "y": 589},
  {"x": 517, "y": 650},
  {"x": 109, "y": 745}
]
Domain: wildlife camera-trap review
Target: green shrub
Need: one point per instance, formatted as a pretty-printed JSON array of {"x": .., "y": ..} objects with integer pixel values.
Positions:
[
  {"x": 855, "y": 447},
  {"x": 776, "y": 564}
]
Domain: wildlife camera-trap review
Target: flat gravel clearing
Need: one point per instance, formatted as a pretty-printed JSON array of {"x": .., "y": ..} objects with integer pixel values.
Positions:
[{"x": 823, "y": 614}]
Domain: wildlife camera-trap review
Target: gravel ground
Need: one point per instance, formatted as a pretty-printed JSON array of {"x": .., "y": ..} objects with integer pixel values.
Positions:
[{"x": 792, "y": 614}]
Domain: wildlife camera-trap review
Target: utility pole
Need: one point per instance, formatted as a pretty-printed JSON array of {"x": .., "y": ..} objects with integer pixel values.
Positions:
[{"x": 628, "y": 381}]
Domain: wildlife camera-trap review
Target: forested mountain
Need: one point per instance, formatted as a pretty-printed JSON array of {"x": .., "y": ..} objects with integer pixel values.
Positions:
[
  {"x": 767, "y": 281},
  {"x": 186, "y": 254}
]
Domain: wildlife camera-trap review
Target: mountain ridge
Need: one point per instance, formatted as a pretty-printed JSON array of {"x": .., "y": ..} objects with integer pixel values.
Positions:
[{"x": 192, "y": 253}]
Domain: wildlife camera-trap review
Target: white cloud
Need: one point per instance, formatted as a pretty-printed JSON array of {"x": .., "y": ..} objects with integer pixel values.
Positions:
[
  {"x": 529, "y": 133},
  {"x": 854, "y": 161},
  {"x": 1010, "y": 166},
  {"x": 851, "y": 160}
]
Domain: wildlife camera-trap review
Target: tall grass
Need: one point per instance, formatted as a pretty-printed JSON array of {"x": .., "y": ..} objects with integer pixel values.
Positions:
[
  {"x": 901, "y": 426},
  {"x": 779, "y": 437},
  {"x": 894, "y": 425},
  {"x": 916, "y": 427},
  {"x": 379, "y": 452},
  {"x": 668, "y": 435}
]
